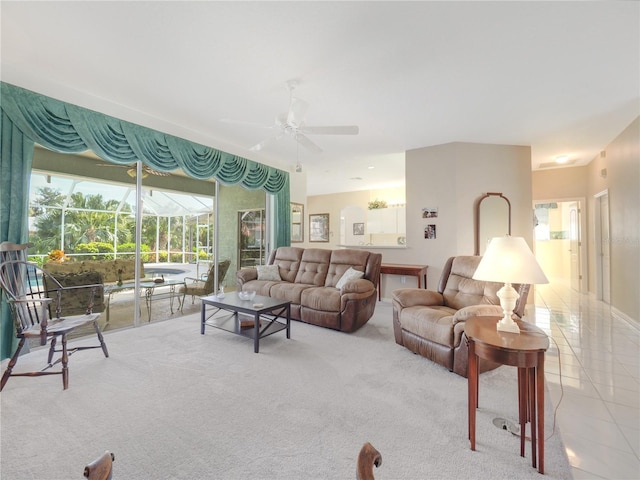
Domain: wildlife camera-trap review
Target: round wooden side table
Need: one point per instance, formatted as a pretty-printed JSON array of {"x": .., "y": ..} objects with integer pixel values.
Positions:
[{"x": 526, "y": 352}]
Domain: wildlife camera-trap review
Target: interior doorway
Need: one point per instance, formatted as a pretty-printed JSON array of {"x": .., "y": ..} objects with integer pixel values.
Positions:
[
  {"x": 603, "y": 269},
  {"x": 559, "y": 245}
]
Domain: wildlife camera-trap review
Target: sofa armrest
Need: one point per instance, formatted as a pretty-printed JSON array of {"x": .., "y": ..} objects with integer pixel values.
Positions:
[
  {"x": 247, "y": 274},
  {"x": 362, "y": 285},
  {"x": 411, "y": 297},
  {"x": 465, "y": 313}
]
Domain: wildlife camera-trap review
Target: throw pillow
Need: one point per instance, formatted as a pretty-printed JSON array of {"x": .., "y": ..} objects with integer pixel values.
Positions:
[
  {"x": 348, "y": 276},
  {"x": 268, "y": 272}
]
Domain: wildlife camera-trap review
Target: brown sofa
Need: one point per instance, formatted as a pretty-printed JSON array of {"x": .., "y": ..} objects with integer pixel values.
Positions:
[
  {"x": 308, "y": 277},
  {"x": 431, "y": 323}
]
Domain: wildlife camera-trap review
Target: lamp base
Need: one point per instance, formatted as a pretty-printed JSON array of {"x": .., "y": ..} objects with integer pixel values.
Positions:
[
  {"x": 508, "y": 298},
  {"x": 508, "y": 325}
]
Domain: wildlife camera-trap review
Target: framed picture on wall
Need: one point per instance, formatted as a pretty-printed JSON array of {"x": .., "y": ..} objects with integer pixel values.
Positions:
[
  {"x": 297, "y": 222},
  {"x": 319, "y": 227},
  {"x": 358, "y": 228}
]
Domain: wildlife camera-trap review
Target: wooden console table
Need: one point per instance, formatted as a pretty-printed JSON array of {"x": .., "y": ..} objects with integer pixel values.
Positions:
[
  {"x": 525, "y": 351},
  {"x": 419, "y": 271}
]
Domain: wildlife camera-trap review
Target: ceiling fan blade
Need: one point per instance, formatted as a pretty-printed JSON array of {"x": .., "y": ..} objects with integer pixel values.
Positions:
[
  {"x": 334, "y": 130},
  {"x": 259, "y": 146},
  {"x": 297, "y": 110},
  {"x": 308, "y": 144},
  {"x": 242, "y": 122}
]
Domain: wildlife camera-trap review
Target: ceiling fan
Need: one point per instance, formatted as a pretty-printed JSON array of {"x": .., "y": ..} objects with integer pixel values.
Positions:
[{"x": 292, "y": 123}]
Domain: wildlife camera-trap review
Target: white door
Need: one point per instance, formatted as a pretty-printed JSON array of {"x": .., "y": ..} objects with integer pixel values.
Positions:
[{"x": 574, "y": 245}]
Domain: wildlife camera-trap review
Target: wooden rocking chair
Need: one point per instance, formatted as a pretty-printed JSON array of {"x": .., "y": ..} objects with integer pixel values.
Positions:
[{"x": 36, "y": 301}]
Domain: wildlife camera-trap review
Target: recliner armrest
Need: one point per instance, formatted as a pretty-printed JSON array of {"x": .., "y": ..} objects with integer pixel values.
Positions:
[
  {"x": 477, "y": 311},
  {"x": 361, "y": 285},
  {"x": 411, "y": 297}
]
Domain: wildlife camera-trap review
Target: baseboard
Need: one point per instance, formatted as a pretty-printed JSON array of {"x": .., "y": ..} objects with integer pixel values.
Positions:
[{"x": 626, "y": 318}]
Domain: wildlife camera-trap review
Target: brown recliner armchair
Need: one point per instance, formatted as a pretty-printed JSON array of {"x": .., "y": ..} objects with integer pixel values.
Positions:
[{"x": 431, "y": 323}]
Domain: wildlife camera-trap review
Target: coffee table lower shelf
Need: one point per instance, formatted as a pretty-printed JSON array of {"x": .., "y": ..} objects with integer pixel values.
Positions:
[{"x": 233, "y": 315}]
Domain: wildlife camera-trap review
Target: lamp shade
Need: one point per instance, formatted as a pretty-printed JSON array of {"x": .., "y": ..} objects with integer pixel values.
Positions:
[{"x": 509, "y": 260}]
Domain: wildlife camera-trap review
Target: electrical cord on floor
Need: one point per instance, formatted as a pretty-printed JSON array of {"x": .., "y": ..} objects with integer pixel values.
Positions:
[{"x": 555, "y": 410}]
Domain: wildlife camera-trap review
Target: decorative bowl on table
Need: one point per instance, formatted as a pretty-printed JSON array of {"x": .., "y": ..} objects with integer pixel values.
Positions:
[{"x": 246, "y": 295}]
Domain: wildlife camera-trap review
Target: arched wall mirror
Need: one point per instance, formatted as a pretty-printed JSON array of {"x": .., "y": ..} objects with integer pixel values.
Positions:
[{"x": 492, "y": 219}]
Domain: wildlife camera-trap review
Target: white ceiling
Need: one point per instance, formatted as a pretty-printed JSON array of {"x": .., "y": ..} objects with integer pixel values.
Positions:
[{"x": 562, "y": 77}]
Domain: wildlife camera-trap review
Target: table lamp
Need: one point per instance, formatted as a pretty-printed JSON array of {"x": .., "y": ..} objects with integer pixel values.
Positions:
[{"x": 509, "y": 260}]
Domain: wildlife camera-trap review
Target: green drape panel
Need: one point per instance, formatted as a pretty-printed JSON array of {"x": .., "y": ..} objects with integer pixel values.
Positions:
[
  {"x": 67, "y": 128},
  {"x": 16, "y": 150},
  {"x": 282, "y": 217}
]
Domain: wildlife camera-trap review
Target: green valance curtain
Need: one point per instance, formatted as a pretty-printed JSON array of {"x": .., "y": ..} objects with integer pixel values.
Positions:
[{"x": 28, "y": 118}]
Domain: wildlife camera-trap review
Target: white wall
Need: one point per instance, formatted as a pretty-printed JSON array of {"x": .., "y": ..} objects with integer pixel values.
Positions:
[{"x": 450, "y": 178}]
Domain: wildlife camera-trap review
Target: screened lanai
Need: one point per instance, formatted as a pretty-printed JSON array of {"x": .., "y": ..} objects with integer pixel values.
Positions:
[
  {"x": 85, "y": 209},
  {"x": 77, "y": 201}
]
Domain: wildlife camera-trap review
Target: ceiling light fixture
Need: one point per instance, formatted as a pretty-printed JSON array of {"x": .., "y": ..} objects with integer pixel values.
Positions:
[
  {"x": 132, "y": 172},
  {"x": 562, "y": 159}
]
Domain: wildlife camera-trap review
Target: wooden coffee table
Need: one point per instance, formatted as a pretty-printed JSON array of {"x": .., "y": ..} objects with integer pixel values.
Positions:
[{"x": 231, "y": 313}]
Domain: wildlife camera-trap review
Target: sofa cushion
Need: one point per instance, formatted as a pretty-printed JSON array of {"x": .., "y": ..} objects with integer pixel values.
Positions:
[
  {"x": 288, "y": 291},
  {"x": 341, "y": 261},
  {"x": 349, "y": 276},
  {"x": 288, "y": 261},
  {"x": 313, "y": 266},
  {"x": 261, "y": 287},
  {"x": 327, "y": 299},
  {"x": 268, "y": 272},
  {"x": 461, "y": 290},
  {"x": 434, "y": 323}
]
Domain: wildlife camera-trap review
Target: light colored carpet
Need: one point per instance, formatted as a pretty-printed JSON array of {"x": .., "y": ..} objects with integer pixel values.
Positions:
[{"x": 172, "y": 403}]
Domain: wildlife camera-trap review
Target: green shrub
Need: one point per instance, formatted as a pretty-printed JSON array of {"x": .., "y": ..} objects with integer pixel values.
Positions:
[
  {"x": 131, "y": 248},
  {"x": 37, "y": 259},
  {"x": 93, "y": 251}
]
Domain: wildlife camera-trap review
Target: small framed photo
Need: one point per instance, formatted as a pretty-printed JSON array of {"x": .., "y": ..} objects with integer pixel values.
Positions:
[
  {"x": 429, "y": 213},
  {"x": 430, "y": 231},
  {"x": 358, "y": 228},
  {"x": 319, "y": 227}
]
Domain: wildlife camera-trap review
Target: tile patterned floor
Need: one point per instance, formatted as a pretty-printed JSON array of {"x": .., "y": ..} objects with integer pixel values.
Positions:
[{"x": 592, "y": 371}]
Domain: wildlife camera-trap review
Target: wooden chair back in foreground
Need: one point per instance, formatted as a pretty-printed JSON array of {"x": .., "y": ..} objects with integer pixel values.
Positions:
[
  {"x": 367, "y": 459},
  {"x": 101, "y": 468}
]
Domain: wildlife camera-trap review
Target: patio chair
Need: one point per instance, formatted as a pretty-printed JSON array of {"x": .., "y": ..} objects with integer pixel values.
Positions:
[
  {"x": 204, "y": 286},
  {"x": 36, "y": 301}
]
